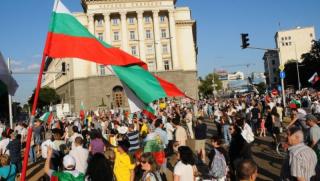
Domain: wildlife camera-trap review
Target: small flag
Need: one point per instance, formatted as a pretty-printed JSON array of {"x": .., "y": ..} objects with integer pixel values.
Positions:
[
  {"x": 46, "y": 117},
  {"x": 82, "y": 114},
  {"x": 314, "y": 78}
]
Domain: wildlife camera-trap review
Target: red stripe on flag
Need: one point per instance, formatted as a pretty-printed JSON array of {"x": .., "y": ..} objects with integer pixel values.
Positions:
[
  {"x": 170, "y": 89},
  {"x": 149, "y": 114},
  {"x": 65, "y": 46},
  {"x": 50, "y": 118}
]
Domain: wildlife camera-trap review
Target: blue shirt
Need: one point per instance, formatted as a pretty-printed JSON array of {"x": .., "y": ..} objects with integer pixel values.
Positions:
[
  {"x": 163, "y": 136},
  {"x": 4, "y": 172}
]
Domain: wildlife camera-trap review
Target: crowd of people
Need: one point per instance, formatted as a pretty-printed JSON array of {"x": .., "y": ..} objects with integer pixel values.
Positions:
[{"x": 173, "y": 143}]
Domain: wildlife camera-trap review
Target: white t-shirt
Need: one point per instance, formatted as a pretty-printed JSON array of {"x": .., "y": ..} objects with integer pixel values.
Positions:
[
  {"x": 169, "y": 130},
  {"x": 3, "y": 146},
  {"x": 81, "y": 156},
  {"x": 185, "y": 172},
  {"x": 73, "y": 138},
  {"x": 44, "y": 147}
]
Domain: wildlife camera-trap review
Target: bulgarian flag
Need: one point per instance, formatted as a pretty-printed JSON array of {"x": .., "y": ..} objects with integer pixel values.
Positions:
[
  {"x": 146, "y": 86},
  {"x": 46, "y": 117},
  {"x": 314, "y": 78},
  {"x": 68, "y": 38},
  {"x": 7, "y": 82}
]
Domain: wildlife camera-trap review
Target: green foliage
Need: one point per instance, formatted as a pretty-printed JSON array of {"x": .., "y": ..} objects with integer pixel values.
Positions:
[
  {"x": 261, "y": 87},
  {"x": 205, "y": 87},
  {"x": 309, "y": 65},
  {"x": 47, "y": 96}
]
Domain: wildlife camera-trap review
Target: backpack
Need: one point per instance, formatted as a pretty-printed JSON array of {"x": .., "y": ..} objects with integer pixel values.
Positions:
[{"x": 218, "y": 168}]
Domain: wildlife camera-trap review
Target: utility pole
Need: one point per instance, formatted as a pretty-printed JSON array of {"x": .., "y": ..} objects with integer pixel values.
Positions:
[{"x": 10, "y": 100}]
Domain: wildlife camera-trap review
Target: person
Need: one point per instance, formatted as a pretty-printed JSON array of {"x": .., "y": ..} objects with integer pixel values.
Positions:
[
  {"x": 314, "y": 131},
  {"x": 99, "y": 168},
  {"x": 217, "y": 160},
  {"x": 38, "y": 131},
  {"x": 159, "y": 131},
  {"x": 14, "y": 148},
  {"x": 80, "y": 154},
  {"x": 276, "y": 125},
  {"x": 96, "y": 144},
  {"x": 69, "y": 172},
  {"x": 180, "y": 133},
  {"x": 255, "y": 116},
  {"x": 184, "y": 170},
  {"x": 123, "y": 167},
  {"x": 7, "y": 171},
  {"x": 262, "y": 128},
  {"x": 75, "y": 134},
  {"x": 189, "y": 118},
  {"x": 133, "y": 137},
  {"x": 247, "y": 170},
  {"x": 150, "y": 167},
  {"x": 169, "y": 129},
  {"x": 4, "y": 143},
  {"x": 200, "y": 136},
  {"x": 301, "y": 161}
]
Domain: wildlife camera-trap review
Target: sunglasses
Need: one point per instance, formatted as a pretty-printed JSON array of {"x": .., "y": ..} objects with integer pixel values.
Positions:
[{"x": 143, "y": 161}]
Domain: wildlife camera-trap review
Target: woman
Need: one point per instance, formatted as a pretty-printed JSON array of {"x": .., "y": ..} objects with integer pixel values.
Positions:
[
  {"x": 150, "y": 167},
  {"x": 185, "y": 168},
  {"x": 276, "y": 125},
  {"x": 96, "y": 143},
  {"x": 7, "y": 171},
  {"x": 99, "y": 168}
]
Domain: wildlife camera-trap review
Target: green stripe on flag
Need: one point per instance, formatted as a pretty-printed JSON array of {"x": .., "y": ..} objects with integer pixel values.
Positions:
[{"x": 142, "y": 82}]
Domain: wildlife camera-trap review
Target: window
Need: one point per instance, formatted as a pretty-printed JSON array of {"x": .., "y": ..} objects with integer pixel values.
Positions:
[
  {"x": 100, "y": 22},
  {"x": 286, "y": 43},
  {"x": 117, "y": 94},
  {"x": 162, "y": 18},
  {"x": 131, "y": 20},
  {"x": 163, "y": 33},
  {"x": 148, "y": 34},
  {"x": 132, "y": 35},
  {"x": 147, "y": 19},
  {"x": 115, "y": 21},
  {"x": 100, "y": 36},
  {"x": 273, "y": 62},
  {"x": 285, "y": 38},
  {"x": 289, "y": 37},
  {"x": 289, "y": 43},
  {"x": 165, "y": 48},
  {"x": 283, "y": 44},
  {"x": 151, "y": 66},
  {"x": 166, "y": 65},
  {"x": 274, "y": 70},
  {"x": 134, "y": 50},
  {"x": 311, "y": 35},
  {"x": 149, "y": 49},
  {"x": 282, "y": 38},
  {"x": 116, "y": 36},
  {"x": 102, "y": 70}
]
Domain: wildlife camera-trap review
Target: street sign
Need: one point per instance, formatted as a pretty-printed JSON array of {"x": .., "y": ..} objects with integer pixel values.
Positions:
[
  {"x": 282, "y": 75},
  {"x": 281, "y": 67},
  {"x": 279, "y": 88}
]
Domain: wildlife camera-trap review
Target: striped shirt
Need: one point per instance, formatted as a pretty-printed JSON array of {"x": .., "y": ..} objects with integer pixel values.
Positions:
[
  {"x": 134, "y": 140},
  {"x": 301, "y": 162}
]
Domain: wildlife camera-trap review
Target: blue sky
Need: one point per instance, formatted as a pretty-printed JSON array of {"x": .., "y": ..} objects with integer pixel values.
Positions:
[{"x": 24, "y": 25}]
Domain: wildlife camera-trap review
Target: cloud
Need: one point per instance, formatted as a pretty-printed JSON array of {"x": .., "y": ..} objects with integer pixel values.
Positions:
[
  {"x": 15, "y": 63},
  {"x": 29, "y": 68},
  {"x": 36, "y": 56},
  {"x": 33, "y": 67}
]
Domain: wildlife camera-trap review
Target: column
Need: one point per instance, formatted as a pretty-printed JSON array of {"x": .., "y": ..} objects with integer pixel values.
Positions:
[
  {"x": 91, "y": 23},
  {"x": 91, "y": 27},
  {"x": 124, "y": 38},
  {"x": 174, "y": 54},
  {"x": 157, "y": 42},
  {"x": 142, "y": 52},
  {"x": 107, "y": 28}
]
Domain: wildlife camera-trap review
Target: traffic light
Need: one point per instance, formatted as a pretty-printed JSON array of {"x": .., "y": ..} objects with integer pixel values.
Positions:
[
  {"x": 245, "y": 40},
  {"x": 63, "y": 68}
]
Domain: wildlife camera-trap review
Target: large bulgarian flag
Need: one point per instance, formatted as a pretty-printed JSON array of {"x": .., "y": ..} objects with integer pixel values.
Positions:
[
  {"x": 7, "y": 82},
  {"x": 68, "y": 38}
]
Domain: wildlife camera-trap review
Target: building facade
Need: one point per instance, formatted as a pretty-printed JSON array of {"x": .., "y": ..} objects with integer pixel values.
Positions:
[
  {"x": 156, "y": 31},
  {"x": 293, "y": 43},
  {"x": 271, "y": 67}
]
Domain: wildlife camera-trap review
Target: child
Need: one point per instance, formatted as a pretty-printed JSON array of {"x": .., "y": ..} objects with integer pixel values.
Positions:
[{"x": 262, "y": 128}]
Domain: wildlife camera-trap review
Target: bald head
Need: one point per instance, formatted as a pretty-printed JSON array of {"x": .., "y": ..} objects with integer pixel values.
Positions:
[{"x": 247, "y": 170}]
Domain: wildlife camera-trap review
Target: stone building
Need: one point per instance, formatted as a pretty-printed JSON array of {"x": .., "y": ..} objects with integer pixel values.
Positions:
[{"x": 156, "y": 31}]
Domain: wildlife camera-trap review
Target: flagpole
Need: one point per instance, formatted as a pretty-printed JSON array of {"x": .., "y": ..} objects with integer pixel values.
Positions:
[
  {"x": 32, "y": 117},
  {"x": 10, "y": 100}
]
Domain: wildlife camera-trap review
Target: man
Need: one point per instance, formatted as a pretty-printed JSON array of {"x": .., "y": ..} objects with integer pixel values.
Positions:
[
  {"x": 123, "y": 167},
  {"x": 189, "y": 119},
  {"x": 159, "y": 131},
  {"x": 74, "y": 135},
  {"x": 255, "y": 116},
  {"x": 247, "y": 171},
  {"x": 70, "y": 172},
  {"x": 301, "y": 161},
  {"x": 201, "y": 135},
  {"x": 180, "y": 134},
  {"x": 80, "y": 155},
  {"x": 133, "y": 136},
  {"x": 314, "y": 132}
]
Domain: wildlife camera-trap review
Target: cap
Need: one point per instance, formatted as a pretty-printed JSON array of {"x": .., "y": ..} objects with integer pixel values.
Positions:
[
  {"x": 311, "y": 117},
  {"x": 69, "y": 162}
]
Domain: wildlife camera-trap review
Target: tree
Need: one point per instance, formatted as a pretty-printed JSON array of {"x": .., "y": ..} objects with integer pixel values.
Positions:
[
  {"x": 261, "y": 87},
  {"x": 309, "y": 65},
  {"x": 205, "y": 87},
  {"x": 47, "y": 96}
]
